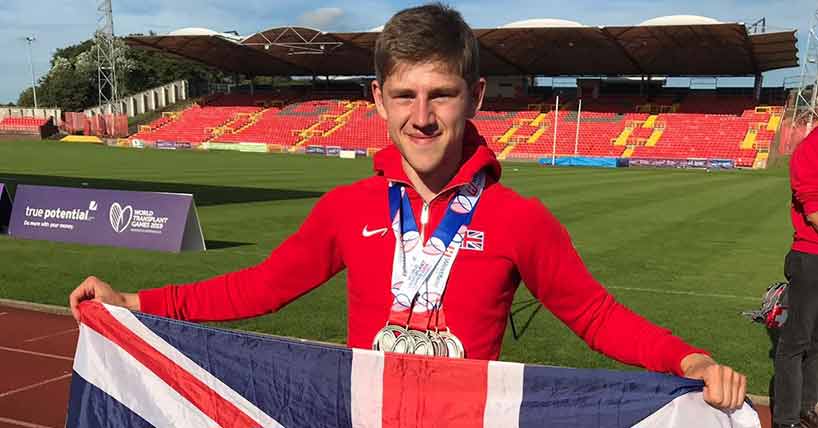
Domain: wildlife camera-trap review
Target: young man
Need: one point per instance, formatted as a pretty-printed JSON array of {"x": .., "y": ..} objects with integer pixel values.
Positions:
[
  {"x": 796, "y": 358},
  {"x": 435, "y": 199}
]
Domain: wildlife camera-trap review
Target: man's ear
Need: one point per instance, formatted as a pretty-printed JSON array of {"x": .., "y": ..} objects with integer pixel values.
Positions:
[
  {"x": 377, "y": 95},
  {"x": 477, "y": 92}
]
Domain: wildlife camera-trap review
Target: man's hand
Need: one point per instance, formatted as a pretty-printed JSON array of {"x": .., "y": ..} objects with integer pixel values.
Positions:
[
  {"x": 95, "y": 289},
  {"x": 723, "y": 387}
]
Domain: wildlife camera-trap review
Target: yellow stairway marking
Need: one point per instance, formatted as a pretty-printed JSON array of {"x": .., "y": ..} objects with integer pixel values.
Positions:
[
  {"x": 623, "y": 137},
  {"x": 507, "y": 136},
  {"x": 760, "y": 161},
  {"x": 504, "y": 154},
  {"x": 537, "y": 120},
  {"x": 774, "y": 123},
  {"x": 341, "y": 120},
  {"x": 654, "y": 137},
  {"x": 628, "y": 152},
  {"x": 305, "y": 135},
  {"x": 536, "y": 135},
  {"x": 651, "y": 120},
  {"x": 749, "y": 139}
]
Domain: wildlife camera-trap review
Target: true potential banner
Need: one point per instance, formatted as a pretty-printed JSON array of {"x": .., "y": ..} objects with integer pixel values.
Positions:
[{"x": 146, "y": 220}]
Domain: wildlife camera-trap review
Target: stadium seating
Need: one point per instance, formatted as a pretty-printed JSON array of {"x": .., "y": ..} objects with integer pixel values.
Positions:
[
  {"x": 665, "y": 127},
  {"x": 26, "y": 124},
  {"x": 12, "y": 127}
]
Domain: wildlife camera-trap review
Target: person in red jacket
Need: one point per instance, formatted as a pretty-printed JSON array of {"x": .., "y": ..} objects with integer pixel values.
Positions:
[
  {"x": 796, "y": 358},
  {"x": 435, "y": 199}
]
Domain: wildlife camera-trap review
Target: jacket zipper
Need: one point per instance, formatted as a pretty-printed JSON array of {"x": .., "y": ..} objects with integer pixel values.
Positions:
[
  {"x": 424, "y": 219},
  {"x": 424, "y": 213}
]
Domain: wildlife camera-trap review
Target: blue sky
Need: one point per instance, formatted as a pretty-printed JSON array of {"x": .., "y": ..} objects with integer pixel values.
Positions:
[{"x": 57, "y": 23}]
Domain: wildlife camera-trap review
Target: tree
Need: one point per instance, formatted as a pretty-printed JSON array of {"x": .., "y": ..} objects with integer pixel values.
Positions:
[
  {"x": 72, "y": 82},
  {"x": 26, "y": 98}
]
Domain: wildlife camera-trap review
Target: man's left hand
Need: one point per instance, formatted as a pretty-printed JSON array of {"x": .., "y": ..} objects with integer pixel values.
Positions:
[{"x": 723, "y": 387}]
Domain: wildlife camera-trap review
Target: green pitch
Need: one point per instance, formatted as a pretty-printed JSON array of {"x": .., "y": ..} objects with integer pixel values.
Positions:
[{"x": 689, "y": 250}]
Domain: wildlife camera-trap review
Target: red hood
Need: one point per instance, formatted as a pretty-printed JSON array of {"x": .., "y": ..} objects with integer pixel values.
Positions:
[{"x": 476, "y": 157}]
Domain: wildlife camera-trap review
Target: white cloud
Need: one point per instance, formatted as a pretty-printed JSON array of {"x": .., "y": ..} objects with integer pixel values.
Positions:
[{"x": 321, "y": 18}]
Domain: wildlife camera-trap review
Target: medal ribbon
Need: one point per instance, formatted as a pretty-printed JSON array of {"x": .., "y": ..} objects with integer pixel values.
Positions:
[{"x": 420, "y": 272}]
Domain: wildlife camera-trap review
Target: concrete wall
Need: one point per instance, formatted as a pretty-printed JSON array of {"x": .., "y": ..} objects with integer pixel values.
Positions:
[
  {"x": 32, "y": 112},
  {"x": 150, "y": 100}
]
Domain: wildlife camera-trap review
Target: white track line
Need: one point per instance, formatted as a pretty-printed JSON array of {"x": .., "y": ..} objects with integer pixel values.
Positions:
[
  {"x": 22, "y": 423},
  {"x": 41, "y": 354},
  {"x": 687, "y": 293},
  {"x": 35, "y": 385},
  {"x": 48, "y": 336}
]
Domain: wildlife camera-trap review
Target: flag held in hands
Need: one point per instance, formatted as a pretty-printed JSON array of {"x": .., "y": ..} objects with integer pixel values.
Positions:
[{"x": 137, "y": 370}]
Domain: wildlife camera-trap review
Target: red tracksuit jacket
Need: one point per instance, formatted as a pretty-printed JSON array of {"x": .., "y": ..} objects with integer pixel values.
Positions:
[
  {"x": 349, "y": 227},
  {"x": 804, "y": 182}
]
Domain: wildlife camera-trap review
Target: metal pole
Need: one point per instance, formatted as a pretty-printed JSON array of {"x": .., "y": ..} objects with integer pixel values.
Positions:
[
  {"x": 576, "y": 139},
  {"x": 31, "y": 39},
  {"x": 556, "y": 121}
]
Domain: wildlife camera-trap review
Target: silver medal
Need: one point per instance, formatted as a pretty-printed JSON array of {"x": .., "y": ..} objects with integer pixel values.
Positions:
[
  {"x": 386, "y": 338},
  {"x": 422, "y": 344},
  {"x": 454, "y": 346},
  {"x": 404, "y": 344},
  {"x": 438, "y": 345}
]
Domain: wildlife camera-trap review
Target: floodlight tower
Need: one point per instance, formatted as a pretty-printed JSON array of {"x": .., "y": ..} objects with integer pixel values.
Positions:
[
  {"x": 106, "y": 56},
  {"x": 30, "y": 40},
  {"x": 804, "y": 111}
]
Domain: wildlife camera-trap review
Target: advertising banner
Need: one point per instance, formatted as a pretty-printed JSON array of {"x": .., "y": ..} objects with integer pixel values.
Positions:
[
  {"x": 166, "y": 145},
  {"x": 683, "y": 163},
  {"x": 315, "y": 150},
  {"x": 333, "y": 151},
  {"x": 253, "y": 147},
  {"x": 146, "y": 220}
]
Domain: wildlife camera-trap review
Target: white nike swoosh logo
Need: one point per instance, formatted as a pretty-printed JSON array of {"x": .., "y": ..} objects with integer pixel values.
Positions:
[{"x": 367, "y": 233}]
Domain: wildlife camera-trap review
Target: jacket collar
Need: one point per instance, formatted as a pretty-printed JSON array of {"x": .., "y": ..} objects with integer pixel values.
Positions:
[{"x": 476, "y": 157}]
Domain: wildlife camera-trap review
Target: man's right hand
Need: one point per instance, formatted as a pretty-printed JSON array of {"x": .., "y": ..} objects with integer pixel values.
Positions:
[{"x": 95, "y": 289}]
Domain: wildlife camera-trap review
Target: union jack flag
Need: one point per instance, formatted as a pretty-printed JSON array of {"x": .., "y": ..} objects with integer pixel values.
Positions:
[
  {"x": 473, "y": 240},
  {"x": 136, "y": 370}
]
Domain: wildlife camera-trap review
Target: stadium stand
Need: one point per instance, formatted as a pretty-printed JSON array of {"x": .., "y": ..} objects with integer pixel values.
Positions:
[
  {"x": 21, "y": 126},
  {"x": 669, "y": 126}
]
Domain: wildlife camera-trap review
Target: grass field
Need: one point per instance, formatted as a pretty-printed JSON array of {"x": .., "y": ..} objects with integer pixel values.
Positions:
[{"x": 687, "y": 249}]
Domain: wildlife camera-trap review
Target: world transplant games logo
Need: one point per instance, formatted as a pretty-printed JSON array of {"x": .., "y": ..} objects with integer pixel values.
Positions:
[{"x": 120, "y": 217}]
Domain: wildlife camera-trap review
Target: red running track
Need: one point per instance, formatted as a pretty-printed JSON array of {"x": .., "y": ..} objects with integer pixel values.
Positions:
[{"x": 36, "y": 356}]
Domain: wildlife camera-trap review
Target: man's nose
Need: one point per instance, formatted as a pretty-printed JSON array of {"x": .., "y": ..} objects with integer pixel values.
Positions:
[{"x": 423, "y": 117}]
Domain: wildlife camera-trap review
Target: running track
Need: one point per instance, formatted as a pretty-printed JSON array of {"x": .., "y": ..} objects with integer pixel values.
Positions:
[{"x": 36, "y": 355}]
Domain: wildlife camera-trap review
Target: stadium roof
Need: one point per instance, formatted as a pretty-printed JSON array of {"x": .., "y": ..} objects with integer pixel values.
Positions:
[{"x": 666, "y": 46}]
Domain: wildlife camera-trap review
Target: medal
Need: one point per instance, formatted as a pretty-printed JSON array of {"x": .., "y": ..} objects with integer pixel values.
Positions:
[
  {"x": 453, "y": 345},
  {"x": 420, "y": 271},
  {"x": 438, "y": 345},
  {"x": 422, "y": 343},
  {"x": 385, "y": 338},
  {"x": 404, "y": 344}
]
